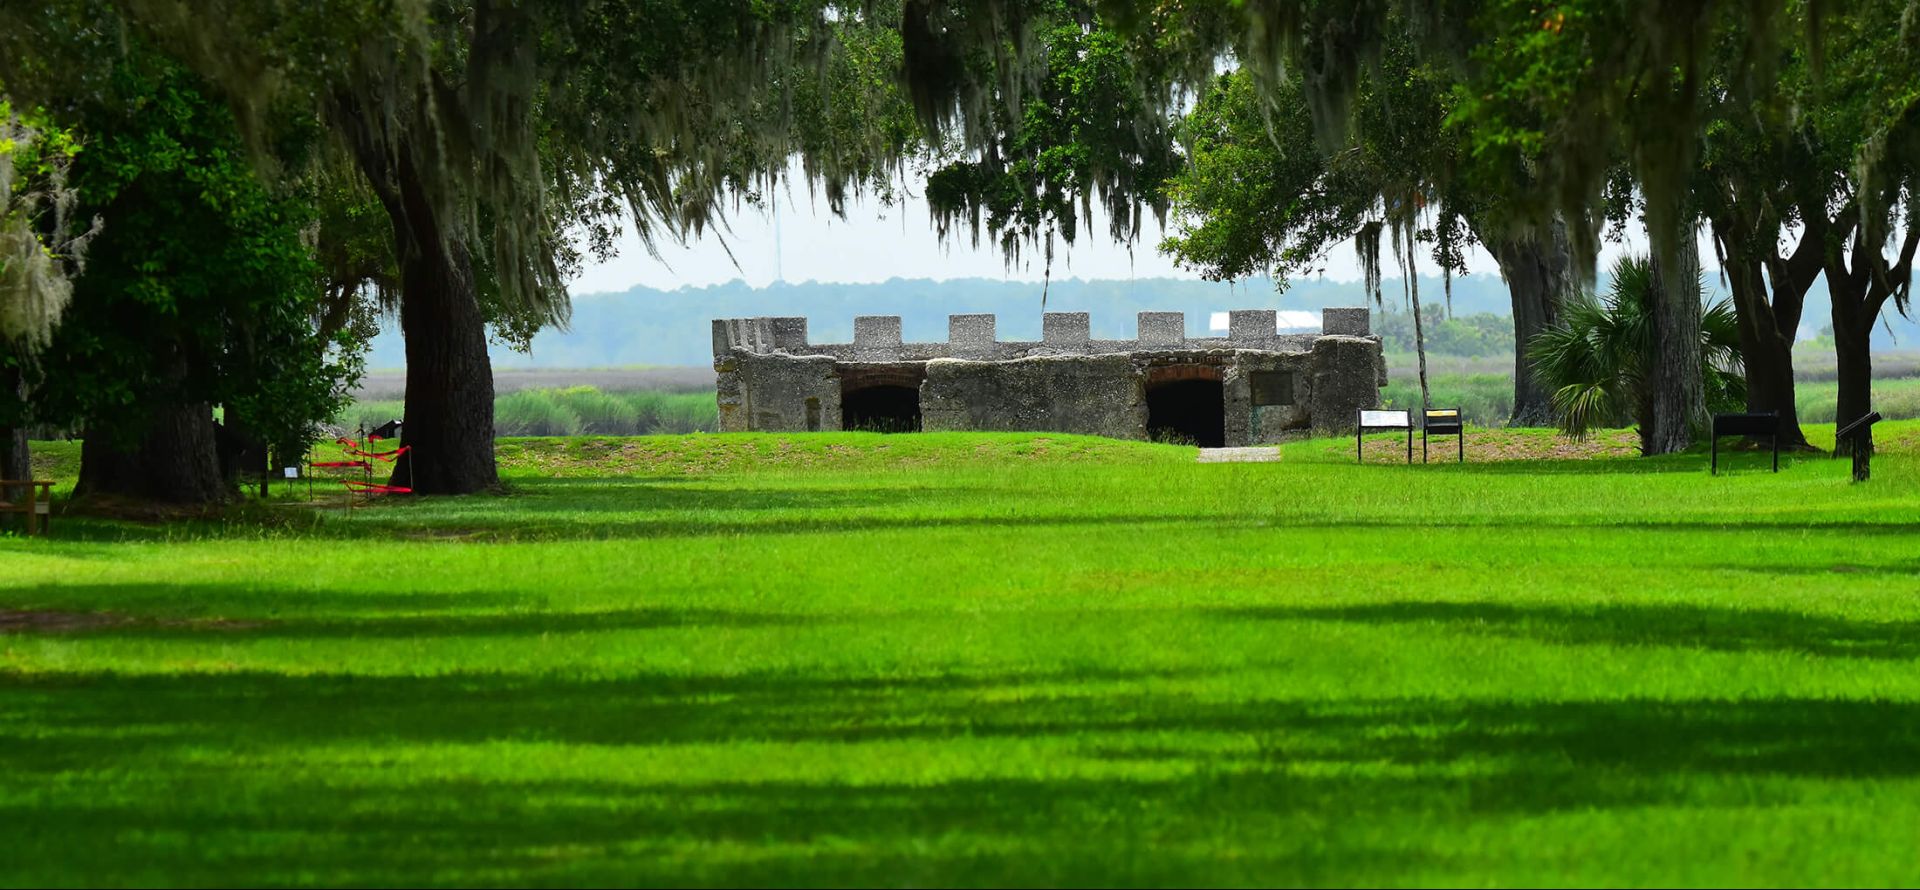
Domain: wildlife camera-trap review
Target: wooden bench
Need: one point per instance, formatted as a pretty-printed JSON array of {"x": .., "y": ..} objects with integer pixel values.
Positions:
[
  {"x": 1383, "y": 420},
  {"x": 38, "y": 506}
]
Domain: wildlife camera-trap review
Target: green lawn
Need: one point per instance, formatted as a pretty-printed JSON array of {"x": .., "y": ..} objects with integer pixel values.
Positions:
[{"x": 981, "y": 659}]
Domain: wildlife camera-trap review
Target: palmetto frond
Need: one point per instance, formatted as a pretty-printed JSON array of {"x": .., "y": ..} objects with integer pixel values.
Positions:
[{"x": 1595, "y": 359}]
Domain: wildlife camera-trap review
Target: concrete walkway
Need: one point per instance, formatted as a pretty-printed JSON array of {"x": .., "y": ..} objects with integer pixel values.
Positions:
[{"x": 1257, "y": 454}]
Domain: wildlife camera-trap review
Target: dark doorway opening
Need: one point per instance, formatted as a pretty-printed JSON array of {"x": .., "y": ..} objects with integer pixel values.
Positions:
[
  {"x": 881, "y": 409},
  {"x": 1188, "y": 411}
]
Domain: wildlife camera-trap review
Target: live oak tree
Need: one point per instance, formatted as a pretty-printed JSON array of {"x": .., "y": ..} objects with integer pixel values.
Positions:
[
  {"x": 1808, "y": 187},
  {"x": 1855, "y": 189},
  {"x": 1566, "y": 91},
  {"x": 199, "y": 291},
  {"x": 501, "y": 139},
  {"x": 1263, "y": 193}
]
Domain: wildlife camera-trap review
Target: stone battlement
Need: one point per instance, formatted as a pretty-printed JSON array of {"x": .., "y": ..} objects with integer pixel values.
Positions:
[
  {"x": 876, "y": 338},
  {"x": 1253, "y": 386}
]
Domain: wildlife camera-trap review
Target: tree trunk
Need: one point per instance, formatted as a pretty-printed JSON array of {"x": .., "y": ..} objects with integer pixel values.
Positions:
[
  {"x": 1538, "y": 275},
  {"x": 1678, "y": 398},
  {"x": 1766, "y": 353},
  {"x": 1853, "y": 355},
  {"x": 175, "y": 461},
  {"x": 449, "y": 419},
  {"x": 16, "y": 459}
]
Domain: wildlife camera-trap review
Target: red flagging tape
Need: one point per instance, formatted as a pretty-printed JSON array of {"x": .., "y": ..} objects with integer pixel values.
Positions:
[
  {"x": 375, "y": 487},
  {"x": 388, "y": 456}
]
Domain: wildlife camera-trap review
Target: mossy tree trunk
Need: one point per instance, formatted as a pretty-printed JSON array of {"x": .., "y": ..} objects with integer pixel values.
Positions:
[
  {"x": 1538, "y": 272},
  {"x": 449, "y": 407},
  {"x": 1677, "y": 403},
  {"x": 16, "y": 459}
]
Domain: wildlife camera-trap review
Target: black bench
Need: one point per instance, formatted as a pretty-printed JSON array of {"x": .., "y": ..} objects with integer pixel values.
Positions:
[
  {"x": 1371, "y": 419},
  {"x": 1862, "y": 455},
  {"x": 1444, "y": 422},
  {"x": 1763, "y": 423}
]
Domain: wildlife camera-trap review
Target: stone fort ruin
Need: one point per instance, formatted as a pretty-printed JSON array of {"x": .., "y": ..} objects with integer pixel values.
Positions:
[{"x": 1253, "y": 386}]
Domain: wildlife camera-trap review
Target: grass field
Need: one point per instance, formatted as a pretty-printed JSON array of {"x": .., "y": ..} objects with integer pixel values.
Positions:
[{"x": 985, "y": 659}]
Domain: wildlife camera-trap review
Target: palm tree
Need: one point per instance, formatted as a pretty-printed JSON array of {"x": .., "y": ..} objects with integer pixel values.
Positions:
[{"x": 1595, "y": 360}]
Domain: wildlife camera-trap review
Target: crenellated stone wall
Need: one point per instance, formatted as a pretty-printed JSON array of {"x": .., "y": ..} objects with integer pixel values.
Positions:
[{"x": 1267, "y": 386}]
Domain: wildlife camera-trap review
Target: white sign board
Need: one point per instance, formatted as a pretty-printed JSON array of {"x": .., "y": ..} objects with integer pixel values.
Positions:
[
  {"x": 291, "y": 472},
  {"x": 1395, "y": 419}
]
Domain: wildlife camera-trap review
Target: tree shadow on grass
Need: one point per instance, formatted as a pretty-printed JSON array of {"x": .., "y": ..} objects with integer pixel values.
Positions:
[
  {"x": 1679, "y": 626},
  {"x": 533, "y": 522},
  {"x": 242, "y": 612},
  {"x": 143, "y": 761}
]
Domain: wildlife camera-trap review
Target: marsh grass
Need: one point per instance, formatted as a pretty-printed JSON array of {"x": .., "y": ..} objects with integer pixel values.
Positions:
[{"x": 572, "y": 411}]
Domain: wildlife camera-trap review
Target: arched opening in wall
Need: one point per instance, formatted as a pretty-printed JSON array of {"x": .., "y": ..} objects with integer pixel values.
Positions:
[
  {"x": 881, "y": 397},
  {"x": 1189, "y": 408},
  {"x": 881, "y": 409}
]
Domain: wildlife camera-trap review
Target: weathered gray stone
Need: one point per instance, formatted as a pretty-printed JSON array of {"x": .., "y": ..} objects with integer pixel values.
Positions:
[
  {"x": 1345, "y": 321},
  {"x": 1252, "y": 325},
  {"x": 1092, "y": 394},
  {"x": 789, "y": 333},
  {"x": 783, "y": 393},
  {"x": 1162, "y": 328},
  {"x": 1342, "y": 381},
  {"x": 971, "y": 336},
  {"x": 1065, "y": 328},
  {"x": 876, "y": 330},
  {"x": 768, "y": 377}
]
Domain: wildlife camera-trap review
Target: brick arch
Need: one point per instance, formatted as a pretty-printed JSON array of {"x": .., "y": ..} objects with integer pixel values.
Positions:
[
  {"x": 854, "y": 378},
  {"x": 1163, "y": 374}
]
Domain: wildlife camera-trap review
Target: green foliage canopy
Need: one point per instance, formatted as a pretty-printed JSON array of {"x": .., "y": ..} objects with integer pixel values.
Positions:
[{"x": 201, "y": 289}]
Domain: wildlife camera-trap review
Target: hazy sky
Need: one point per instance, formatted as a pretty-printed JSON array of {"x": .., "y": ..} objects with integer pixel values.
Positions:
[{"x": 875, "y": 243}]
